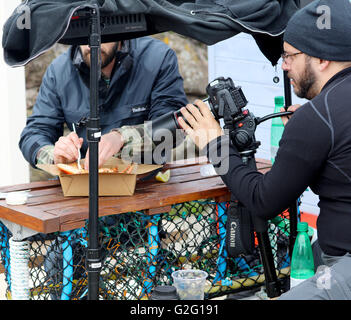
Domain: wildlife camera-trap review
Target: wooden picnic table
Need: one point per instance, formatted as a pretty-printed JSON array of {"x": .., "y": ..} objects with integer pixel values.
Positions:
[{"x": 47, "y": 210}]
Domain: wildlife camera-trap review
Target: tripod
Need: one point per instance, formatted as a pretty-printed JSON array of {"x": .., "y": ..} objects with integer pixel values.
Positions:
[
  {"x": 246, "y": 144},
  {"x": 261, "y": 228}
]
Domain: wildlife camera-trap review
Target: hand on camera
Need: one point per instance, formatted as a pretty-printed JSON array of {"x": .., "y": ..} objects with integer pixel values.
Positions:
[
  {"x": 66, "y": 148},
  {"x": 292, "y": 108},
  {"x": 203, "y": 126},
  {"x": 110, "y": 144}
]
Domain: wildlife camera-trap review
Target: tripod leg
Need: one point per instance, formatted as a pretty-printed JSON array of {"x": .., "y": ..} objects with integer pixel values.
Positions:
[
  {"x": 293, "y": 216},
  {"x": 264, "y": 244},
  {"x": 272, "y": 284}
]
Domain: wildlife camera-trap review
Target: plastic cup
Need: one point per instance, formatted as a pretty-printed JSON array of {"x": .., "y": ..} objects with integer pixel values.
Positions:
[{"x": 190, "y": 284}]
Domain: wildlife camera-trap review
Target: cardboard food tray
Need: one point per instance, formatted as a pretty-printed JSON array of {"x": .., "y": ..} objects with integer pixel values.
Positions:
[{"x": 110, "y": 184}]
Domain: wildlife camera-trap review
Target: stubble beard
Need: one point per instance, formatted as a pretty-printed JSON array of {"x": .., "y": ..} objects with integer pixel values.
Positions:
[
  {"x": 106, "y": 57},
  {"x": 306, "y": 86}
]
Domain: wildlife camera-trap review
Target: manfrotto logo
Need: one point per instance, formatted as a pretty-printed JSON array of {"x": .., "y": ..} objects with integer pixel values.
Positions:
[{"x": 232, "y": 239}]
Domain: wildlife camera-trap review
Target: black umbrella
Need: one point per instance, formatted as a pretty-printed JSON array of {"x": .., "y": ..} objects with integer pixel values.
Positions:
[
  {"x": 208, "y": 21},
  {"x": 96, "y": 21}
]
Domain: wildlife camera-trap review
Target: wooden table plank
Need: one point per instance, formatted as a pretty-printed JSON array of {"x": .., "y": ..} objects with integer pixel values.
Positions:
[
  {"x": 37, "y": 220},
  {"x": 32, "y": 186}
]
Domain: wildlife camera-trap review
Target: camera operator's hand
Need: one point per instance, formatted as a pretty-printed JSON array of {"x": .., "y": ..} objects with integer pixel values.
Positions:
[
  {"x": 203, "y": 126},
  {"x": 110, "y": 144},
  {"x": 66, "y": 148},
  {"x": 292, "y": 108}
]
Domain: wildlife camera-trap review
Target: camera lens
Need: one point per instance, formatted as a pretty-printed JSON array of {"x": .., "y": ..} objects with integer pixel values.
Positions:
[{"x": 224, "y": 100}]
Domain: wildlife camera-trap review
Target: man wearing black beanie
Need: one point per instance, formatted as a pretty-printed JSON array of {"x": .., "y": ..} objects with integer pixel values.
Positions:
[
  {"x": 315, "y": 149},
  {"x": 318, "y": 63}
]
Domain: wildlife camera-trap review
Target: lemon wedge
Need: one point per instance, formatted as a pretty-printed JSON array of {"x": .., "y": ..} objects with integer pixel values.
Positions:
[{"x": 163, "y": 176}]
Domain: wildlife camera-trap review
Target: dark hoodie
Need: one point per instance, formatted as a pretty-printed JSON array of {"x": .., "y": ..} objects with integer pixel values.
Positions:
[{"x": 145, "y": 84}]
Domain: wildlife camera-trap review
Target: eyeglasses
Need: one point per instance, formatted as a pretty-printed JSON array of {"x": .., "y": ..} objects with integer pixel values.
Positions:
[{"x": 287, "y": 56}]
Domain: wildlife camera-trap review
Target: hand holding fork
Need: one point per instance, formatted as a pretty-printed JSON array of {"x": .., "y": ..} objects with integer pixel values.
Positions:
[{"x": 67, "y": 148}]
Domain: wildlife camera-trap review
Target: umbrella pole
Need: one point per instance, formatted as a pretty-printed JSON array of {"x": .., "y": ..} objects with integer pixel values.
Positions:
[
  {"x": 93, "y": 256},
  {"x": 293, "y": 208}
]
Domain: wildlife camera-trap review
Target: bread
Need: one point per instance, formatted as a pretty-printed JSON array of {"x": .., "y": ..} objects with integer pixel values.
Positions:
[{"x": 72, "y": 168}]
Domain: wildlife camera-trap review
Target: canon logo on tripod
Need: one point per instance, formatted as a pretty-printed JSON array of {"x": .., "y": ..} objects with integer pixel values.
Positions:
[{"x": 232, "y": 240}]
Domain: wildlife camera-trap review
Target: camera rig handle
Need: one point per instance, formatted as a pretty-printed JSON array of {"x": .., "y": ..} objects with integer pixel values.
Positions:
[{"x": 243, "y": 127}]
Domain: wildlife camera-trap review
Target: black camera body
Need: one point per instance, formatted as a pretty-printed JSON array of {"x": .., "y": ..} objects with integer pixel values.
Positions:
[
  {"x": 227, "y": 102},
  {"x": 225, "y": 99}
]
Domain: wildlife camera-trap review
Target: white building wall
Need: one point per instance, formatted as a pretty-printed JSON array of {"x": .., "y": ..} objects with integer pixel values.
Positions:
[
  {"x": 13, "y": 167},
  {"x": 240, "y": 58}
]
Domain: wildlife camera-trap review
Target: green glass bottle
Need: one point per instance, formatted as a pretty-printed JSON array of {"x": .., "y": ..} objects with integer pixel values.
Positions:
[
  {"x": 277, "y": 127},
  {"x": 302, "y": 264}
]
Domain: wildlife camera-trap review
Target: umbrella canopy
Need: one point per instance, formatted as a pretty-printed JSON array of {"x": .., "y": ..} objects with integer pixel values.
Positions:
[{"x": 36, "y": 25}]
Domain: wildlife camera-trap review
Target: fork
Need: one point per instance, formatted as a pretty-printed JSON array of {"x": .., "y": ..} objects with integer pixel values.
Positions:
[{"x": 79, "y": 155}]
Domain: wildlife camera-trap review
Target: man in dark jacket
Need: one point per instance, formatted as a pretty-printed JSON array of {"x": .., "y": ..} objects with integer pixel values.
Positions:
[
  {"x": 140, "y": 81},
  {"x": 315, "y": 149}
]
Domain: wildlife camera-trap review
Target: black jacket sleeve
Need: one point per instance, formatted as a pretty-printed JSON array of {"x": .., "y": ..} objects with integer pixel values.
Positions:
[
  {"x": 167, "y": 93},
  {"x": 303, "y": 151}
]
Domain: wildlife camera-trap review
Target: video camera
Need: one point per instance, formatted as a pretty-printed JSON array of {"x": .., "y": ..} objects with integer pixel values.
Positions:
[{"x": 226, "y": 101}]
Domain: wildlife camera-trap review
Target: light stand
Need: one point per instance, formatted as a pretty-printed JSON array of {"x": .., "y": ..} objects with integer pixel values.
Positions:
[
  {"x": 93, "y": 257},
  {"x": 293, "y": 215},
  {"x": 88, "y": 27}
]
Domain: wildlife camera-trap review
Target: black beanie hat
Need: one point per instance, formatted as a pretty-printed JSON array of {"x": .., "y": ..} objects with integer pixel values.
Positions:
[{"x": 322, "y": 29}]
